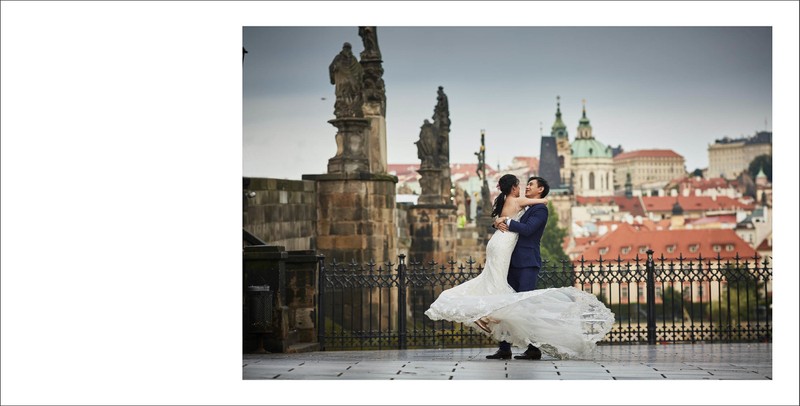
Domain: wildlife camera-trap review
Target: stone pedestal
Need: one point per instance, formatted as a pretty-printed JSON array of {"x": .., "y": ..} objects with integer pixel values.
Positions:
[
  {"x": 376, "y": 140},
  {"x": 433, "y": 233},
  {"x": 351, "y": 146},
  {"x": 430, "y": 183},
  {"x": 356, "y": 217},
  {"x": 446, "y": 186}
]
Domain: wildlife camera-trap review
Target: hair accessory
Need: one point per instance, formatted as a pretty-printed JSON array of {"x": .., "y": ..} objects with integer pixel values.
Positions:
[{"x": 498, "y": 186}]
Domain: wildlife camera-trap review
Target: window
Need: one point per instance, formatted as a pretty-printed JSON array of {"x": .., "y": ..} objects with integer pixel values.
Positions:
[
  {"x": 693, "y": 247},
  {"x": 626, "y": 250},
  {"x": 623, "y": 291},
  {"x": 641, "y": 291},
  {"x": 729, "y": 247},
  {"x": 642, "y": 249},
  {"x": 671, "y": 248},
  {"x": 591, "y": 180},
  {"x": 604, "y": 251},
  {"x": 717, "y": 248}
]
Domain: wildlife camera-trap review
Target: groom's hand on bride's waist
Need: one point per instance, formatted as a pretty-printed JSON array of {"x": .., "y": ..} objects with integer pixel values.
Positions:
[{"x": 501, "y": 226}]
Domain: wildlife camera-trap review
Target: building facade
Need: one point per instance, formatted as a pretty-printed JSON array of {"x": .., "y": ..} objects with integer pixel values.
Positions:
[
  {"x": 728, "y": 158},
  {"x": 648, "y": 166}
]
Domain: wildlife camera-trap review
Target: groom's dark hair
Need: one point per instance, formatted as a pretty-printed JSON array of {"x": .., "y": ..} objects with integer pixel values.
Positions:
[{"x": 541, "y": 182}]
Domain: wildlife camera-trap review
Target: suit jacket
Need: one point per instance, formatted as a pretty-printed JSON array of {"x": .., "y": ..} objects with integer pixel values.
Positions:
[{"x": 530, "y": 228}]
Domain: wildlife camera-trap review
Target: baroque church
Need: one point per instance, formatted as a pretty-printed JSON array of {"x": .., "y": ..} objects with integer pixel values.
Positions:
[{"x": 586, "y": 165}]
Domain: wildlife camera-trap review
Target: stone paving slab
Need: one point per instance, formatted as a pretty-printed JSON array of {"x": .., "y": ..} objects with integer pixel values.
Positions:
[{"x": 702, "y": 361}]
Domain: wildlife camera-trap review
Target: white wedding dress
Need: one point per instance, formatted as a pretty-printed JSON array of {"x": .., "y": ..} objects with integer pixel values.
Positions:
[{"x": 563, "y": 322}]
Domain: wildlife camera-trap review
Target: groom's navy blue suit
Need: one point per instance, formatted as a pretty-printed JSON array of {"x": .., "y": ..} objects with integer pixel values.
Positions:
[{"x": 526, "y": 259}]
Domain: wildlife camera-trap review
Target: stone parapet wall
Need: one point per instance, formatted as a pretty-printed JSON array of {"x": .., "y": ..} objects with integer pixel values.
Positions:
[{"x": 281, "y": 212}]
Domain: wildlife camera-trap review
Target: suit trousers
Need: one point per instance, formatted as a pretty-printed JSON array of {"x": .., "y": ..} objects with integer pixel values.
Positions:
[{"x": 522, "y": 280}]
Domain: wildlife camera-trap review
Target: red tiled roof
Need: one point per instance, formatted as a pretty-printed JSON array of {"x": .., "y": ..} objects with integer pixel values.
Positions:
[
  {"x": 693, "y": 203},
  {"x": 636, "y": 242},
  {"x": 651, "y": 225},
  {"x": 725, "y": 219},
  {"x": 531, "y": 162},
  {"x": 648, "y": 153},
  {"x": 401, "y": 170},
  {"x": 765, "y": 245},
  {"x": 701, "y": 183},
  {"x": 632, "y": 205}
]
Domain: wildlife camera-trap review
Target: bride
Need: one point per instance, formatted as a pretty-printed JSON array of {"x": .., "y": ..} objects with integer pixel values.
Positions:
[{"x": 563, "y": 322}]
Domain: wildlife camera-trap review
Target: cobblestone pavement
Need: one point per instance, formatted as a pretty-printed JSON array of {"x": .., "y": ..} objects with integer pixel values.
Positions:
[{"x": 741, "y": 361}]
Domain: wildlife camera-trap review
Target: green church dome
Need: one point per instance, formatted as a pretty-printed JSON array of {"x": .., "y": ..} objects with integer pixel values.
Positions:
[{"x": 589, "y": 148}]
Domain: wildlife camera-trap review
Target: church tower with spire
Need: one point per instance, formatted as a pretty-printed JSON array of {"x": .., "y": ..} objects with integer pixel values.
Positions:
[
  {"x": 559, "y": 132},
  {"x": 591, "y": 162}
]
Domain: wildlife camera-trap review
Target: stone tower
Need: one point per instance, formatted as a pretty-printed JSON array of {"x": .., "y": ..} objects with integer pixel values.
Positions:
[
  {"x": 559, "y": 132},
  {"x": 549, "y": 167}
]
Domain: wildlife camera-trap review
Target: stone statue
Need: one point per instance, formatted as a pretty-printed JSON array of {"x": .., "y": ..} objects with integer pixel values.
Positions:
[
  {"x": 346, "y": 73},
  {"x": 373, "y": 87},
  {"x": 441, "y": 113},
  {"x": 427, "y": 146},
  {"x": 369, "y": 37},
  {"x": 441, "y": 120},
  {"x": 481, "y": 168}
]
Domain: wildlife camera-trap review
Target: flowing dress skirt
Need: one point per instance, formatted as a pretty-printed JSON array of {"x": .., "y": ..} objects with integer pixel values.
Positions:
[{"x": 563, "y": 322}]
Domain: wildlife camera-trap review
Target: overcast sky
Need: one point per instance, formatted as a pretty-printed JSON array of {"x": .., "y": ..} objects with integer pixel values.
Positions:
[{"x": 645, "y": 87}]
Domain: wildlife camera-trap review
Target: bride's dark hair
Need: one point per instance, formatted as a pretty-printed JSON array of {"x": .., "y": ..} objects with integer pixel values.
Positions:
[{"x": 505, "y": 184}]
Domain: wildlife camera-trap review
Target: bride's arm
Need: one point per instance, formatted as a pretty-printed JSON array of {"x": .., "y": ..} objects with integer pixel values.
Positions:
[{"x": 524, "y": 201}]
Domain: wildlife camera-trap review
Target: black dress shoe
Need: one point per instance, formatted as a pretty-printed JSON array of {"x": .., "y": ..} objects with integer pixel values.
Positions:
[
  {"x": 532, "y": 353},
  {"x": 500, "y": 354}
]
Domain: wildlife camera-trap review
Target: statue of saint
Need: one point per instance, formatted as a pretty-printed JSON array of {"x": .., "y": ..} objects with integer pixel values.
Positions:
[
  {"x": 346, "y": 73},
  {"x": 369, "y": 36},
  {"x": 427, "y": 150},
  {"x": 441, "y": 113},
  {"x": 481, "y": 159}
]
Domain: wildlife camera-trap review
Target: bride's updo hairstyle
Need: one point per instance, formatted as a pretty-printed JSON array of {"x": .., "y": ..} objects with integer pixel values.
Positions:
[{"x": 505, "y": 184}]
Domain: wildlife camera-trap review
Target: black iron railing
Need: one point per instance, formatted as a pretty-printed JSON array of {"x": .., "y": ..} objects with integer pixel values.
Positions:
[{"x": 654, "y": 300}]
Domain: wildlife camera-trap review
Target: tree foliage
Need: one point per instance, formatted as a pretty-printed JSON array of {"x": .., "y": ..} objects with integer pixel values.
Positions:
[
  {"x": 759, "y": 162},
  {"x": 554, "y": 275},
  {"x": 551, "y": 248}
]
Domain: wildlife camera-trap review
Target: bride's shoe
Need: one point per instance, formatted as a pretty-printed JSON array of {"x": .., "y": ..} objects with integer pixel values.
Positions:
[
  {"x": 484, "y": 322},
  {"x": 483, "y": 325},
  {"x": 490, "y": 320}
]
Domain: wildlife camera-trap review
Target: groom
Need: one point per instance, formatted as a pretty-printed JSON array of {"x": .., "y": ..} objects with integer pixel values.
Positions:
[{"x": 523, "y": 272}]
